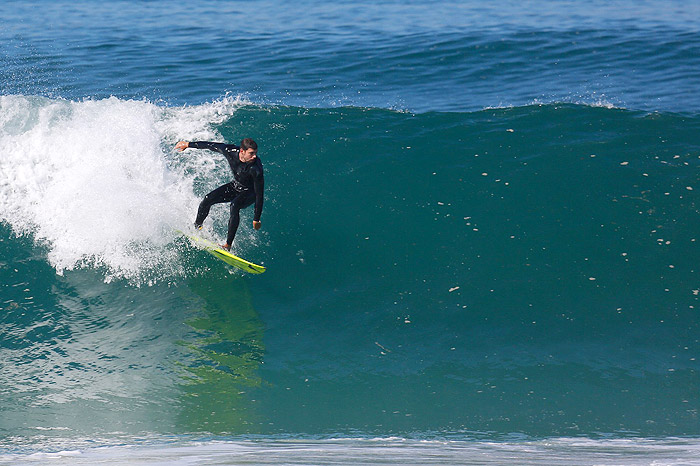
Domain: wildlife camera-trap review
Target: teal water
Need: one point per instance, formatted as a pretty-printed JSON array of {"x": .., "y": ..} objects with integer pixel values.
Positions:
[
  {"x": 460, "y": 270},
  {"x": 540, "y": 278}
]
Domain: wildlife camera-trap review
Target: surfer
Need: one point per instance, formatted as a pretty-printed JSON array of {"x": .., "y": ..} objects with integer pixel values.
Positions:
[{"x": 245, "y": 189}]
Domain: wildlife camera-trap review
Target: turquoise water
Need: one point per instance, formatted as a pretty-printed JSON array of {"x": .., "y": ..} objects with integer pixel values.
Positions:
[{"x": 481, "y": 233}]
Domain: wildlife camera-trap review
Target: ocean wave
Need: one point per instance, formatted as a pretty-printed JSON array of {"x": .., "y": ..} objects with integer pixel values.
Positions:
[{"x": 96, "y": 183}]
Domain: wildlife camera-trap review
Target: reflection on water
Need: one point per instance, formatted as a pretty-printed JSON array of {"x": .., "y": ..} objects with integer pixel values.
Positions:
[
  {"x": 225, "y": 353},
  {"x": 79, "y": 356}
]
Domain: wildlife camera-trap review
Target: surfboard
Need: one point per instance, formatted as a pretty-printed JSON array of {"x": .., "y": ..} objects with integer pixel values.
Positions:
[{"x": 222, "y": 254}]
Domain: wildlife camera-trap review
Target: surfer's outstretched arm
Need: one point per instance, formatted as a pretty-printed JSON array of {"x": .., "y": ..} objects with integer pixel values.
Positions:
[{"x": 215, "y": 146}]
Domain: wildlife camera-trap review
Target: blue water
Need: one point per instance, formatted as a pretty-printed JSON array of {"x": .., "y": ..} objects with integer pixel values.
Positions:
[
  {"x": 419, "y": 56},
  {"x": 481, "y": 233}
]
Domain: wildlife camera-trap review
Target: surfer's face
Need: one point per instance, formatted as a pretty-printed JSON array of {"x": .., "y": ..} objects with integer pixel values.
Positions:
[{"x": 247, "y": 155}]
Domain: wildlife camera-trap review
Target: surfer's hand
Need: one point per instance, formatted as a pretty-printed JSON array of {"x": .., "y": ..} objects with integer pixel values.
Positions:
[
  {"x": 256, "y": 225},
  {"x": 182, "y": 145}
]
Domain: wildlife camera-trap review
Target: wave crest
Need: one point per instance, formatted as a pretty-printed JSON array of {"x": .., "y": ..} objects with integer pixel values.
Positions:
[{"x": 95, "y": 181}]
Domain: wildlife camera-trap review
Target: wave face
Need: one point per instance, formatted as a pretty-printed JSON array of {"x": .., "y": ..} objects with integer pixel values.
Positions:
[{"x": 528, "y": 269}]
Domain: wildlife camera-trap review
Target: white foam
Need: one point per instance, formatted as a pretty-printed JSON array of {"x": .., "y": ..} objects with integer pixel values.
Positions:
[
  {"x": 96, "y": 181},
  {"x": 382, "y": 451}
]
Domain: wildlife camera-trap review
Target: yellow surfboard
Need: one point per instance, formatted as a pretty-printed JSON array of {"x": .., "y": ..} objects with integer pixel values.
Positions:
[{"x": 222, "y": 254}]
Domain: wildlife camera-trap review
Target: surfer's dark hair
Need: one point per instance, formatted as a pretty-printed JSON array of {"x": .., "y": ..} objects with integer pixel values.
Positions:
[{"x": 248, "y": 143}]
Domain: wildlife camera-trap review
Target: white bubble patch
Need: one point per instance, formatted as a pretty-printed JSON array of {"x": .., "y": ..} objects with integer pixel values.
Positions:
[{"x": 96, "y": 182}]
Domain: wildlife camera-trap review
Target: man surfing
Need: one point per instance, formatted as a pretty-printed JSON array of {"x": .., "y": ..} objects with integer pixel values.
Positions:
[{"x": 245, "y": 189}]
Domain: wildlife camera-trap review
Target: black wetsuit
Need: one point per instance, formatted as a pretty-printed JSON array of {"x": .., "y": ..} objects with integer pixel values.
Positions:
[{"x": 245, "y": 189}]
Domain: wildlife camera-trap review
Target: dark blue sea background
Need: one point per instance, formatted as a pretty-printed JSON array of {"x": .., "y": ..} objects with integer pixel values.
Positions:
[{"x": 480, "y": 229}]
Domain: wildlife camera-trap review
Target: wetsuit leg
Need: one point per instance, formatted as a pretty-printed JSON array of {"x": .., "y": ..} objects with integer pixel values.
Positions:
[
  {"x": 225, "y": 193},
  {"x": 241, "y": 201}
]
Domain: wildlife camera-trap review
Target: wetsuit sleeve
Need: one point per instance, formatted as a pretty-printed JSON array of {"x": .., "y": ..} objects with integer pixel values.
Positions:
[
  {"x": 259, "y": 187},
  {"x": 215, "y": 146}
]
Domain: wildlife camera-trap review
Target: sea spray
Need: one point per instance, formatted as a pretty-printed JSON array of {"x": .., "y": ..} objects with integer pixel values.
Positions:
[{"x": 95, "y": 181}]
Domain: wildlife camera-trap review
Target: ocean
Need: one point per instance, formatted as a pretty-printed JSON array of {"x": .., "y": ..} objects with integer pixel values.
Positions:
[{"x": 480, "y": 229}]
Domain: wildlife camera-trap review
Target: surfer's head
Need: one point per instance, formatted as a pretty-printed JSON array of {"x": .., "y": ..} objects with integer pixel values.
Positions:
[
  {"x": 248, "y": 143},
  {"x": 248, "y": 151}
]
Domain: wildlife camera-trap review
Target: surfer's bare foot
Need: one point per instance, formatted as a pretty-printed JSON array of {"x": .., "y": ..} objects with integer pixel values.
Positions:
[{"x": 226, "y": 246}]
